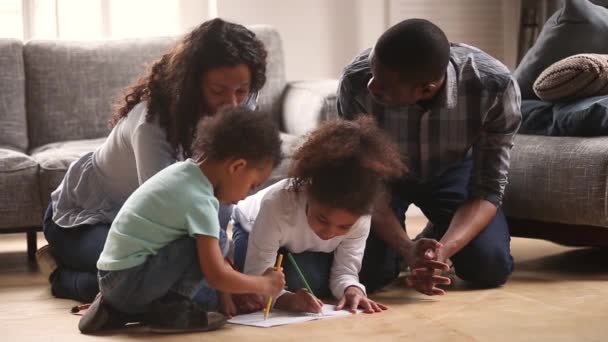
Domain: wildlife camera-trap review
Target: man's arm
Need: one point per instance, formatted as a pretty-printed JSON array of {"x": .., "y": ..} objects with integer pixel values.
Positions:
[{"x": 491, "y": 155}]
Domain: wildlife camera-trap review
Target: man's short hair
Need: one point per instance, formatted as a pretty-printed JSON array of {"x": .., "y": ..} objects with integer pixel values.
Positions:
[{"x": 416, "y": 48}]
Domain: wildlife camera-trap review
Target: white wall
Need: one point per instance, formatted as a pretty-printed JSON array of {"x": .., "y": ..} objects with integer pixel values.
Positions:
[{"x": 319, "y": 36}]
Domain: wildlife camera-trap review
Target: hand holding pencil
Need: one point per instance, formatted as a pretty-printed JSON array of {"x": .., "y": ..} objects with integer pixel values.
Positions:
[{"x": 276, "y": 268}]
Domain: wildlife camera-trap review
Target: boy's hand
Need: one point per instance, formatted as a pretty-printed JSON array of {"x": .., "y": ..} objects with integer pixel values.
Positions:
[
  {"x": 275, "y": 281},
  {"x": 301, "y": 301},
  {"x": 422, "y": 258},
  {"x": 247, "y": 303},
  {"x": 354, "y": 298}
]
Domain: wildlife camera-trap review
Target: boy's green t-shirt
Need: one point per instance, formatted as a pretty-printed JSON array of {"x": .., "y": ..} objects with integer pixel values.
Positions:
[{"x": 176, "y": 202}]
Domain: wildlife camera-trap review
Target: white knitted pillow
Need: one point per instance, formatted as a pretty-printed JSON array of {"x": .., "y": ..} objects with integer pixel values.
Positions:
[{"x": 574, "y": 77}]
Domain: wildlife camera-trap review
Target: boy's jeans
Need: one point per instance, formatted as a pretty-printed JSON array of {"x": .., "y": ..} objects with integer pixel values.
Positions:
[{"x": 175, "y": 268}]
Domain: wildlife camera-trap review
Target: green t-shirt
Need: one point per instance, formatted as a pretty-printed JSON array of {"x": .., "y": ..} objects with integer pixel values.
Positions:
[{"x": 176, "y": 202}]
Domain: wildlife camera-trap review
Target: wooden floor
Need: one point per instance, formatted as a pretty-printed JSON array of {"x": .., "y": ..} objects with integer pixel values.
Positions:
[{"x": 555, "y": 294}]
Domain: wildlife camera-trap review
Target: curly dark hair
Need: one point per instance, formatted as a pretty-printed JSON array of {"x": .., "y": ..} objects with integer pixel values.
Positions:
[
  {"x": 172, "y": 86},
  {"x": 344, "y": 164},
  {"x": 238, "y": 133}
]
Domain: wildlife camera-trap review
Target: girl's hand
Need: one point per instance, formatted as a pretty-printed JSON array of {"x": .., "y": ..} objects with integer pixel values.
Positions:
[
  {"x": 355, "y": 298},
  {"x": 247, "y": 303},
  {"x": 227, "y": 307},
  {"x": 301, "y": 301}
]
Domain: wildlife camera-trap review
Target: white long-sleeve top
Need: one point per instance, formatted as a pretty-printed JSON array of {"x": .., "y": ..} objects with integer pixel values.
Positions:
[{"x": 276, "y": 217}]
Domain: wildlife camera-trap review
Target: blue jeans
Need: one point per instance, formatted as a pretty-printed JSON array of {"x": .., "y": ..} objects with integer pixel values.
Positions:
[
  {"x": 175, "y": 268},
  {"x": 316, "y": 266},
  {"x": 486, "y": 261},
  {"x": 77, "y": 250}
]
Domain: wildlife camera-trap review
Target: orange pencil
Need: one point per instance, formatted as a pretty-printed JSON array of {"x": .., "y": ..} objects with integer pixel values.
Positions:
[{"x": 269, "y": 303}]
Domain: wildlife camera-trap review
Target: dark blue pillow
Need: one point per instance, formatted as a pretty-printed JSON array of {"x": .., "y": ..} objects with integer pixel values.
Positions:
[
  {"x": 578, "y": 27},
  {"x": 583, "y": 118}
]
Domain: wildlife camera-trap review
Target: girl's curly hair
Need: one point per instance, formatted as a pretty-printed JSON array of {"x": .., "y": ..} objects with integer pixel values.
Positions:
[
  {"x": 344, "y": 164},
  {"x": 172, "y": 86}
]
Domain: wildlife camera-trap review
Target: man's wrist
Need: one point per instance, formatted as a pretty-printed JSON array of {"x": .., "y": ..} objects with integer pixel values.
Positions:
[{"x": 404, "y": 247}]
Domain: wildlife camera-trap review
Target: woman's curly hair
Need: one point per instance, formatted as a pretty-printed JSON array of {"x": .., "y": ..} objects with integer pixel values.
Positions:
[
  {"x": 344, "y": 164},
  {"x": 172, "y": 86}
]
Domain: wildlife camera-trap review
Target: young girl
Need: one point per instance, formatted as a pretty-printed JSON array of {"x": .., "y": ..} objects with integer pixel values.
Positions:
[
  {"x": 149, "y": 267},
  {"x": 321, "y": 215},
  {"x": 217, "y": 64}
]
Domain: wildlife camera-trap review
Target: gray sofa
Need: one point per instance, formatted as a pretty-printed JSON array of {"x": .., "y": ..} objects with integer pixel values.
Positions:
[{"x": 56, "y": 98}]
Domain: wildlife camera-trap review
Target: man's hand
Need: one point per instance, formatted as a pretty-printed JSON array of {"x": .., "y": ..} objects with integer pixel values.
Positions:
[
  {"x": 300, "y": 301},
  {"x": 423, "y": 260},
  {"x": 354, "y": 298}
]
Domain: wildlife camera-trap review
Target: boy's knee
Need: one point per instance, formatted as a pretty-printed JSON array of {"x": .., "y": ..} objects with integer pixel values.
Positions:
[{"x": 487, "y": 270}]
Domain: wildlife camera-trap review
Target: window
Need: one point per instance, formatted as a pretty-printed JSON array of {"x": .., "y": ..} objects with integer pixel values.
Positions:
[
  {"x": 97, "y": 19},
  {"x": 11, "y": 23}
]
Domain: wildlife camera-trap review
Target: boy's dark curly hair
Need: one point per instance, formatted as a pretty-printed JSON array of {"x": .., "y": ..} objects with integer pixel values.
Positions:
[
  {"x": 238, "y": 133},
  {"x": 172, "y": 86},
  {"x": 343, "y": 164}
]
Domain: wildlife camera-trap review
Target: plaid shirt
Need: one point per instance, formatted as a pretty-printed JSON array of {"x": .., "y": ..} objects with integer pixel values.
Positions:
[{"x": 477, "y": 111}]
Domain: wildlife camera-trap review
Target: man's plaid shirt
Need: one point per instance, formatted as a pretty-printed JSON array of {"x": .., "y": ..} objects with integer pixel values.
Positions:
[{"x": 477, "y": 111}]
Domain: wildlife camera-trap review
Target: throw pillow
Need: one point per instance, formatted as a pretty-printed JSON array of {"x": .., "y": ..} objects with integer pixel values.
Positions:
[
  {"x": 578, "y": 27},
  {"x": 574, "y": 77},
  {"x": 582, "y": 118}
]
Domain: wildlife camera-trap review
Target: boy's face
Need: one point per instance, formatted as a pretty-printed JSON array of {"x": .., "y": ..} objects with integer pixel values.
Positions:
[
  {"x": 242, "y": 179},
  {"x": 326, "y": 222}
]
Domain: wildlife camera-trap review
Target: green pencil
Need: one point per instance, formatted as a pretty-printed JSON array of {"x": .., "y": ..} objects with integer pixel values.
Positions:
[{"x": 293, "y": 263}]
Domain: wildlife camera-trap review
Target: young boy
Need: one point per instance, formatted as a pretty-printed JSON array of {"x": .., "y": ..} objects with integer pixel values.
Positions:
[{"x": 163, "y": 246}]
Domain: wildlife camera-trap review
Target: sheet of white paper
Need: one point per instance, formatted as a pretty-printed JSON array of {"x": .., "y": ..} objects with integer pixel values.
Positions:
[{"x": 279, "y": 317}]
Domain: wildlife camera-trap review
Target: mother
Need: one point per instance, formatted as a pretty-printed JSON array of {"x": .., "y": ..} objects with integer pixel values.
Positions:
[{"x": 217, "y": 64}]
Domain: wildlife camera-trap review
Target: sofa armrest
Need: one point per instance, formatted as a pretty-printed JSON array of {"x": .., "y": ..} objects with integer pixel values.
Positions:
[{"x": 307, "y": 103}]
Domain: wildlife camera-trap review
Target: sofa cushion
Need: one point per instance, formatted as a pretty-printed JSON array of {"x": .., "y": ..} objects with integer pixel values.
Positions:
[
  {"x": 308, "y": 103},
  {"x": 72, "y": 86},
  {"x": 19, "y": 198},
  {"x": 584, "y": 118},
  {"x": 13, "y": 131},
  {"x": 272, "y": 92},
  {"x": 559, "y": 179},
  {"x": 579, "y": 27},
  {"x": 574, "y": 77},
  {"x": 289, "y": 145},
  {"x": 55, "y": 159}
]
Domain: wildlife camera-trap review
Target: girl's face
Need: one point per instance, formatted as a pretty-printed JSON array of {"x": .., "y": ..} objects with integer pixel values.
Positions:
[
  {"x": 226, "y": 86},
  {"x": 326, "y": 222}
]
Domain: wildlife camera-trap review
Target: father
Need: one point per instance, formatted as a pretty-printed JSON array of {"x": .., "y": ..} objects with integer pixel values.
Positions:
[{"x": 454, "y": 111}]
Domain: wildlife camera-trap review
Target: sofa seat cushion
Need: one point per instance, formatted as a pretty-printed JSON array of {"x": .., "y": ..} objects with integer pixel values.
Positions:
[
  {"x": 55, "y": 159},
  {"x": 19, "y": 198},
  {"x": 559, "y": 179},
  {"x": 582, "y": 118}
]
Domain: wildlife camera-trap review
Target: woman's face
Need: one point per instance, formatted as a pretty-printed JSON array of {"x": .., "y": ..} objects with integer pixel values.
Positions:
[
  {"x": 227, "y": 86},
  {"x": 326, "y": 222}
]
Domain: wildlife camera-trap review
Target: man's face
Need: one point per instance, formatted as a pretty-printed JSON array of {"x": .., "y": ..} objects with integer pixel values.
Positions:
[{"x": 388, "y": 87}]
